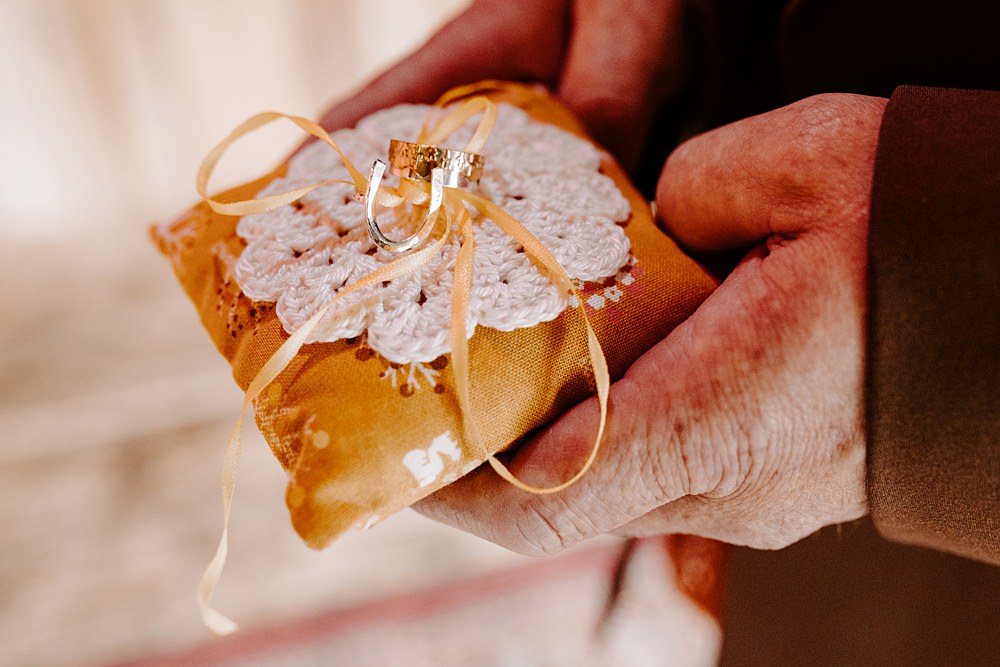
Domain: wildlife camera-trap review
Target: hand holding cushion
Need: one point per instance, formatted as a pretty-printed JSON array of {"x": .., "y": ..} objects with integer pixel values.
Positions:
[{"x": 745, "y": 423}]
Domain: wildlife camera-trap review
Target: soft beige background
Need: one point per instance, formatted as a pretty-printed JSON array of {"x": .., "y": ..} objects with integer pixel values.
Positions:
[{"x": 114, "y": 406}]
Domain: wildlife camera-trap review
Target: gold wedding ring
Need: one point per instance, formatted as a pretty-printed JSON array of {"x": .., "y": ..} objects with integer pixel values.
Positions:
[
  {"x": 418, "y": 161},
  {"x": 441, "y": 167}
]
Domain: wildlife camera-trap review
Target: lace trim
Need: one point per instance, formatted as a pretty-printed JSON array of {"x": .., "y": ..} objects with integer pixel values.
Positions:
[{"x": 299, "y": 256}]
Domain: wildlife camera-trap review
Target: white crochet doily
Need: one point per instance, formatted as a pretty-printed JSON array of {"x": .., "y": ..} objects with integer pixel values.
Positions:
[{"x": 549, "y": 180}]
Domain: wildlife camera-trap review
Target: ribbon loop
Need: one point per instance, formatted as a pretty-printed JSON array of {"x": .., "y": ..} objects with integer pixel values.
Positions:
[
  {"x": 270, "y": 202},
  {"x": 459, "y": 117}
]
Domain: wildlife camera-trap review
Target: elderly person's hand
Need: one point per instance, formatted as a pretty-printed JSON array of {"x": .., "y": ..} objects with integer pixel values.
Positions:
[
  {"x": 746, "y": 423},
  {"x": 613, "y": 63}
]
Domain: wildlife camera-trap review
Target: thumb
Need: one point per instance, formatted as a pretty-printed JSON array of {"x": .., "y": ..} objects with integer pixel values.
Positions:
[{"x": 622, "y": 63}]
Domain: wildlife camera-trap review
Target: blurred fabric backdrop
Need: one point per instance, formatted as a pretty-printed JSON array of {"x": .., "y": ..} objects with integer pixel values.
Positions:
[{"x": 114, "y": 406}]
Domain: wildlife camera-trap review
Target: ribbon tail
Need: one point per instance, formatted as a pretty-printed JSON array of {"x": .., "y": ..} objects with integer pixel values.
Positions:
[
  {"x": 214, "y": 620},
  {"x": 460, "y": 291},
  {"x": 278, "y": 362},
  {"x": 602, "y": 379},
  {"x": 543, "y": 258}
]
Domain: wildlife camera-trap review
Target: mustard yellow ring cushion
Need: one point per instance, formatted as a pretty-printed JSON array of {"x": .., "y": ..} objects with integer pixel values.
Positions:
[{"x": 345, "y": 468}]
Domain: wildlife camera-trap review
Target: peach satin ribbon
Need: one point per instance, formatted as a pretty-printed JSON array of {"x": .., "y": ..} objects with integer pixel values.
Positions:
[{"x": 456, "y": 220}]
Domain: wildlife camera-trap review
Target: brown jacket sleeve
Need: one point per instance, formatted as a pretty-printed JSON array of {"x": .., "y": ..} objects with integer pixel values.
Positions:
[{"x": 933, "y": 371}]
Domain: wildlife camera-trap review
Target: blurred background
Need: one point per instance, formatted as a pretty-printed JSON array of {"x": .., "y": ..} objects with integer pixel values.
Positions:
[{"x": 114, "y": 405}]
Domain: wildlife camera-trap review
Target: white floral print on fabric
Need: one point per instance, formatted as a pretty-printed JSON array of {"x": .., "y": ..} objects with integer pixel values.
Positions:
[
  {"x": 426, "y": 465},
  {"x": 301, "y": 255}
]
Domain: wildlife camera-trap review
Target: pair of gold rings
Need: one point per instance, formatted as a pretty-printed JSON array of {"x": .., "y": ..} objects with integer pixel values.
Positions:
[{"x": 441, "y": 167}]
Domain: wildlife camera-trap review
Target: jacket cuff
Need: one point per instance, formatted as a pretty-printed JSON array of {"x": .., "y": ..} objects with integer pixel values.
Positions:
[{"x": 933, "y": 367}]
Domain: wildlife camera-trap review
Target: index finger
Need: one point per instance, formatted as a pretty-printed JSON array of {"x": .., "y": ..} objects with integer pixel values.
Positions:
[{"x": 776, "y": 173}]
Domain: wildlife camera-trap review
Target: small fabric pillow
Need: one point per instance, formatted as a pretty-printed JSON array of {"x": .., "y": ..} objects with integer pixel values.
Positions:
[{"x": 365, "y": 419}]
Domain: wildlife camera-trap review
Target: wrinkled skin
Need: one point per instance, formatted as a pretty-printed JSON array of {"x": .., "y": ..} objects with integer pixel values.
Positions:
[{"x": 746, "y": 423}]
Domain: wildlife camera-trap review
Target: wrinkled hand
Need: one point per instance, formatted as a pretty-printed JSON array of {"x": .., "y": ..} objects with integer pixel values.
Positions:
[
  {"x": 612, "y": 63},
  {"x": 745, "y": 423}
]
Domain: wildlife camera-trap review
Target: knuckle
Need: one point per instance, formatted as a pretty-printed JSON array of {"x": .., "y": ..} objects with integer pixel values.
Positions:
[
  {"x": 823, "y": 118},
  {"x": 801, "y": 138},
  {"x": 833, "y": 141},
  {"x": 734, "y": 465},
  {"x": 661, "y": 477},
  {"x": 745, "y": 451},
  {"x": 693, "y": 469}
]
